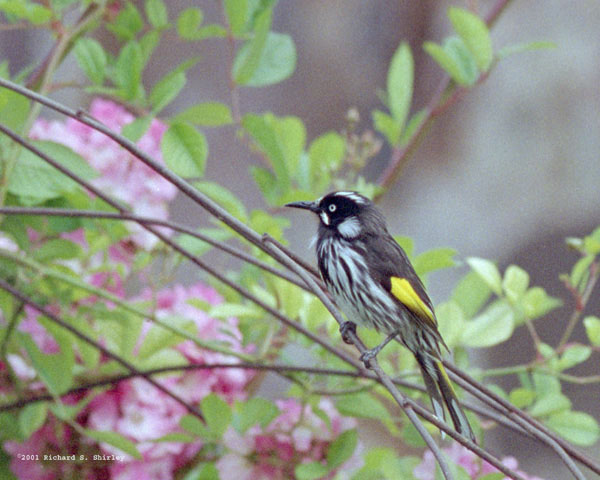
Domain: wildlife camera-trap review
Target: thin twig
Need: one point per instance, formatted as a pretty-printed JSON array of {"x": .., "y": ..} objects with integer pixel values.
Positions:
[
  {"x": 446, "y": 94},
  {"x": 582, "y": 300},
  {"x": 90, "y": 341},
  {"x": 63, "y": 212},
  {"x": 187, "y": 189},
  {"x": 527, "y": 422}
]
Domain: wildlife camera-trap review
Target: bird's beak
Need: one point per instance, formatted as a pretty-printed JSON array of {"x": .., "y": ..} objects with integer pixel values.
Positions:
[{"x": 312, "y": 206}]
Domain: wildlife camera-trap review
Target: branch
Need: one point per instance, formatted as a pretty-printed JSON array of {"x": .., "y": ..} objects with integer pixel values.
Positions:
[
  {"x": 192, "y": 193},
  {"x": 90, "y": 341},
  {"x": 528, "y": 423},
  {"x": 64, "y": 212},
  {"x": 445, "y": 95}
]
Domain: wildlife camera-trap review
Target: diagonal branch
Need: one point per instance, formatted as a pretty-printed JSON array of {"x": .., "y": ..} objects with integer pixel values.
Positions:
[
  {"x": 64, "y": 212},
  {"x": 90, "y": 341}
]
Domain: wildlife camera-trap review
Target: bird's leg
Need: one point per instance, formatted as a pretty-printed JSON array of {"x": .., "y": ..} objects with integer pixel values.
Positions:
[
  {"x": 369, "y": 355},
  {"x": 346, "y": 329}
]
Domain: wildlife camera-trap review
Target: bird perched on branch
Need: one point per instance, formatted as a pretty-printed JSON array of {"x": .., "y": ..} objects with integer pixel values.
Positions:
[{"x": 374, "y": 284}]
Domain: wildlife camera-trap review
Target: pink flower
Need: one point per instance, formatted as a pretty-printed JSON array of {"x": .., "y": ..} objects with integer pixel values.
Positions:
[
  {"x": 296, "y": 436},
  {"x": 121, "y": 174},
  {"x": 473, "y": 465},
  {"x": 30, "y": 324},
  {"x": 142, "y": 413}
]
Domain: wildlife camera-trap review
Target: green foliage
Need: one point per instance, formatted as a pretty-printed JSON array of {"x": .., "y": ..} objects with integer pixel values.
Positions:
[
  {"x": 486, "y": 307},
  {"x": 185, "y": 150}
]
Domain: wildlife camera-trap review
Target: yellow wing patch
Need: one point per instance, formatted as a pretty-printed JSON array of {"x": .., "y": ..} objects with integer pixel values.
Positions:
[{"x": 403, "y": 291}]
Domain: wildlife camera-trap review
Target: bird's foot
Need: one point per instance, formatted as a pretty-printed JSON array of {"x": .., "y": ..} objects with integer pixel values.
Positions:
[
  {"x": 347, "y": 329},
  {"x": 369, "y": 355}
]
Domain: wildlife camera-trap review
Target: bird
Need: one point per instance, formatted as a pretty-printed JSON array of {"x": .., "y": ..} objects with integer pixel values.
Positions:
[{"x": 374, "y": 284}]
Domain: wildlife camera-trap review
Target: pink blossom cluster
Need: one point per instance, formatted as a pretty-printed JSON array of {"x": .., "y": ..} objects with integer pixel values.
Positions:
[
  {"x": 298, "y": 435},
  {"x": 462, "y": 456},
  {"x": 136, "y": 409},
  {"x": 121, "y": 175}
]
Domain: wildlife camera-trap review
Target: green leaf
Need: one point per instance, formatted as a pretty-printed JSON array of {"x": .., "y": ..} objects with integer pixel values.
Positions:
[
  {"x": 32, "y": 417},
  {"x": 199, "y": 247},
  {"x": 455, "y": 59},
  {"x": 536, "y": 302},
  {"x": 255, "y": 410},
  {"x": 387, "y": 126},
  {"x": 574, "y": 355},
  {"x": 114, "y": 439},
  {"x": 310, "y": 471},
  {"x": 192, "y": 424},
  {"x": 550, "y": 403},
  {"x": 272, "y": 225},
  {"x": 267, "y": 182},
  {"x": 276, "y": 63},
  {"x": 57, "y": 249},
  {"x": 451, "y": 322},
  {"x": 249, "y": 56},
  {"x": 14, "y": 109},
  {"x": 493, "y": 326},
  {"x": 592, "y": 329},
  {"x": 34, "y": 178},
  {"x": 128, "y": 70},
  {"x": 325, "y": 154},
  {"x": 414, "y": 123},
  {"x": 524, "y": 47},
  {"x": 158, "y": 338},
  {"x": 91, "y": 58},
  {"x": 137, "y": 128},
  {"x": 281, "y": 139},
  {"x": 55, "y": 370},
  {"x": 545, "y": 384},
  {"x": 521, "y": 397},
  {"x": 515, "y": 282},
  {"x": 400, "y": 84},
  {"x": 435, "y": 259},
  {"x": 148, "y": 43},
  {"x": 577, "y": 427},
  {"x": 237, "y": 15},
  {"x": 342, "y": 448},
  {"x": 188, "y": 22},
  {"x": 471, "y": 293},
  {"x": 488, "y": 272},
  {"x": 208, "y": 114},
  {"x": 128, "y": 22},
  {"x": 581, "y": 271},
  {"x": 184, "y": 150},
  {"x": 224, "y": 197},
  {"x": 216, "y": 413},
  {"x": 475, "y": 34},
  {"x": 362, "y": 405},
  {"x": 156, "y": 12},
  {"x": 239, "y": 310},
  {"x": 165, "y": 90},
  {"x": 445, "y": 61}
]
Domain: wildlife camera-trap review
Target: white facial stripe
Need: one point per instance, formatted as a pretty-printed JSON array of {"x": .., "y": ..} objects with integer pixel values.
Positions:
[
  {"x": 324, "y": 218},
  {"x": 352, "y": 196},
  {"x": 349, "y": 228}
]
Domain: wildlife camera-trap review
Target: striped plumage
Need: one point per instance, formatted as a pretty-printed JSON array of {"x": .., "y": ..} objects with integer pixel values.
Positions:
[{"x": 373, "y": 283}]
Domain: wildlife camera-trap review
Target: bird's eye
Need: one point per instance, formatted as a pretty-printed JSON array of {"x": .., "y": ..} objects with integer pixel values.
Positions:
[{"x": 332, "y": 208}]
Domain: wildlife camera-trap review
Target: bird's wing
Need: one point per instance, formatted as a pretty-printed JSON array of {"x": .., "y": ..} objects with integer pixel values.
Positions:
[{"x": 392, "y": 269}]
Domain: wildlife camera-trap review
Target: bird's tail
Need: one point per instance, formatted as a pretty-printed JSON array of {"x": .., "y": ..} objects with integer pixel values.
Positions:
[{"x": 442, "y": 393}]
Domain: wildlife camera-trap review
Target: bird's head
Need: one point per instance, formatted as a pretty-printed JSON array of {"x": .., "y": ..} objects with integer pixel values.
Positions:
[{"x": 344, "y": 212}]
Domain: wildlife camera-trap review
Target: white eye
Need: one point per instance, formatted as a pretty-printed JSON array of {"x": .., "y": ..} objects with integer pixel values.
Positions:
[{"x": 332, "y": 207}]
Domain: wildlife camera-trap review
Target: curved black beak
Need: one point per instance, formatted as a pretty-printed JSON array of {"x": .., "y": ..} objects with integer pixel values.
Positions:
[{"x": 312, "y": 206}]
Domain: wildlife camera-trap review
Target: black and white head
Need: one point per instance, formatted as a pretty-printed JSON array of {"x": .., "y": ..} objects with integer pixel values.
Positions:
[{"x": 348, "y": 214}]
